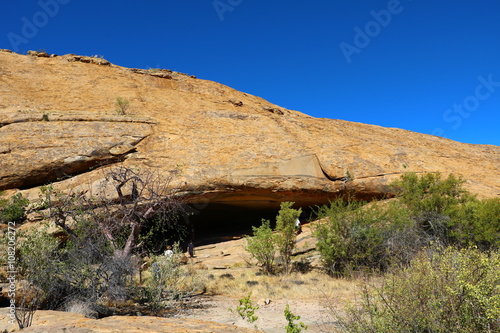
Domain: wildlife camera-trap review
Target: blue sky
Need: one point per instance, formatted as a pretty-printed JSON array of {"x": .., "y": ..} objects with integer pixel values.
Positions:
[{"x": 427, "y": 66}]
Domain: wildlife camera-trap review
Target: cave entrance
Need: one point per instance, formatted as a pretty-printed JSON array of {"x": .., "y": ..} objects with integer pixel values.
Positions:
[
  {"x": 221, "y": 222},
  {"x": 218, "y": 222},
  {"x": 224, "y": 215}
]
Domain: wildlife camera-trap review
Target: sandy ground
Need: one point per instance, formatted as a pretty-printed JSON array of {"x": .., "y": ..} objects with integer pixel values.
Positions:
[
  {"x": 221, "y": 258},
  {"x": 271, "y": 317}
]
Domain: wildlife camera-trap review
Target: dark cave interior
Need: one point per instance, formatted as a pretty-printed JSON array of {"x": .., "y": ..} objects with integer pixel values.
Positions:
[{"x": 216, "y": 222}]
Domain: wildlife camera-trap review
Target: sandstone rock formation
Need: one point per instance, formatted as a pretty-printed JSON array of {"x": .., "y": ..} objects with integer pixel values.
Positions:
[
  {"x": 57, "y": 321},
  {"x": 58, "y": 122}
]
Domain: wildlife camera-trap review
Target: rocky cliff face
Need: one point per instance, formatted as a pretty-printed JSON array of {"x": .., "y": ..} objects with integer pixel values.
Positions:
[{"x": 58, "y": 122}]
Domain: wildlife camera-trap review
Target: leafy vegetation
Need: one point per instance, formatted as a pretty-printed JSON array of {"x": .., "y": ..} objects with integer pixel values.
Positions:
[
  {"x": 430, "y": 210},
  {"x": 94, "y": 260},
  {"x": 291, "y": 326},
  {"x": 265, "y": 243},
  {"x": 477, "y": 222},
  {"x": 437, "y": 247},
  {"x": 441, "y": 291},
  {"x": 350, "y": 239},
  {"x": 168, "y": 281},
  {"x": 13, "y": 209},
  {"x": 430, "y": 193},
  {"x": 82, "y": 269},
  {"x": 246, "y": 310},
  {"x": 262, "y": 246},
  {"x": 121, "y": 105}
]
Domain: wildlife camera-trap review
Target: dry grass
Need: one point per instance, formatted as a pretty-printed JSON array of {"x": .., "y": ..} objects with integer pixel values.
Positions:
[{"x": 296, "y": 286}]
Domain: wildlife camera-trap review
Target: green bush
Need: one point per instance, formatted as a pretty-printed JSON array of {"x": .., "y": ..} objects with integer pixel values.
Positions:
[
  {"x": 13, "y": 210},
  {"x": 441, "y": 291},
  {"x": 39, "y": 261},
  {"x": 286, "y": 232},
  {"x": 353, "y": 236},
  {"x": 265, "y": 243},
  {"x": 291, "y": 326},
  {"x": 443, "y": 209},
  {"x": 430, "y": 193},
  {"x": 477, "y": 222},
  {"x": 262, "y": 246},
  {"x": 430, "y": 210},
  {"x": 121, "y": 105},
  {"x": 246, "y": 310},
  {"x": 81, "y": 268}
]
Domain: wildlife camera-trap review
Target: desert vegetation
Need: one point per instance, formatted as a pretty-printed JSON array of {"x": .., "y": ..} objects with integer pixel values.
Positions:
[
  {"x": 432, "y": 258},
  {"x": 13, "y": 209},
  {"x": 107, "y": 237},
  {"x": 265, "y": 244},
  {"x": 121, "y": 105},
  {"x": 429, "y": 260},
  {"x": 425, "y": 262}
]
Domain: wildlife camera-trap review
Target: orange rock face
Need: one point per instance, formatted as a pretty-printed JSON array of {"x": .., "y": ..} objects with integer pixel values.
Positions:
[
  {"x": 57, "y": 321},
  {"x": 58, "y": 120}
]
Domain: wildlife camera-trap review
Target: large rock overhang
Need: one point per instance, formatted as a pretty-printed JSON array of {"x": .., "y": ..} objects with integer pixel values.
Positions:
[
  {"x": 301, "y": 180},
  {"x": 247, "y": 196}
]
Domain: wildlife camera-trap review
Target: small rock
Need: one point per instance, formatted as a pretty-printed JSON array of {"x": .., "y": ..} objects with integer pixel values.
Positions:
[
  {"x": 273, "y": 110},
  {"x": 34, "y": 216},
  {"x": 235, "y": 101},
  {"x": 38, "y": 54}
]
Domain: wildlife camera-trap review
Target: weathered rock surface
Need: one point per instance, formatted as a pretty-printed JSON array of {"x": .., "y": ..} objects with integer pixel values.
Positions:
[
  {"x": 56, "y": 321},
  {"x": 34, "y": 147},
  {"x": 232, "y": 147}
]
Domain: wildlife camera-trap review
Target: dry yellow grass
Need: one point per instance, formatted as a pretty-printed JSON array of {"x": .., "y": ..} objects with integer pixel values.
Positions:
[{"x": 312, "y": 285}]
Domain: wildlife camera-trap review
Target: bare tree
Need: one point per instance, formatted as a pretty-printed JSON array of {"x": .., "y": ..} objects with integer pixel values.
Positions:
[{"x": 124, "y": 202}]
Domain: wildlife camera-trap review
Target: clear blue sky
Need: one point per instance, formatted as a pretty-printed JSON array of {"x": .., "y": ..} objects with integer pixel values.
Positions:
[{"x": 427, "y": 66}]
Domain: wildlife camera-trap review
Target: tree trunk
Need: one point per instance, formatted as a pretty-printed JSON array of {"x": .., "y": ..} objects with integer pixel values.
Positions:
[{"x": 132, "y": 239}]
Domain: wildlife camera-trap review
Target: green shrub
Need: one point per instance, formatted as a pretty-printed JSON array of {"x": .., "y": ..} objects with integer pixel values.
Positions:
[
  {"x": 262, "y": 246},
  {"x": 477, "y": 222},
  {"x": 444, "y": 210},
  {"x": 81, "y": 268},
  {"x": 353, "y": 237},
  {"x": 286, "y": 232},
  {"x": 430, "y": 193},
  {"x": 430, "y": 210},
  {"x": 246, "y": 310},
  {"x": 292, "y": 327},
  {"x": 13, "y": 210},
  {"x": 121, "y": 105},
  {"x": 441, "y": 291},
  {"x": 39, "y": 261}
]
